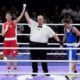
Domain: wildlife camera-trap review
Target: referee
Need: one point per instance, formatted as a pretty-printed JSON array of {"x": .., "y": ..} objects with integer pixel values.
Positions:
[{"x": 39, "y": 36}]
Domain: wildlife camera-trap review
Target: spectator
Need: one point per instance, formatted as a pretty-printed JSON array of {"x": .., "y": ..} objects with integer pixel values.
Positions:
[
  {"x": 34, "y": 15},
  {"x": 18, "y": 31},
  {"x": 3, "y": 12},
  {"x": 0, "y": 25},
  {"x": 56, "y": 15},
  {"x": 14, "y": 12},
  {"x": 66, "y": 17},
  {"x": 56, "y": 18},
  {"x": 46, "y": 19},
  {"x": 0, "y": 19},
  {"x": 67, "y": 10},
  {"x": 21, "y": 27},
  {"x": 76, "y": 15}
]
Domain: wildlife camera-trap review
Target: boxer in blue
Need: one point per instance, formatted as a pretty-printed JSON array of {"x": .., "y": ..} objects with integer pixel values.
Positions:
[{"x": 70, "y": 36}]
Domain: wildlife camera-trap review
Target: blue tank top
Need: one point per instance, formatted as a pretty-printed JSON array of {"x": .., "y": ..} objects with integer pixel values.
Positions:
[{"x": 70, "y": 36}]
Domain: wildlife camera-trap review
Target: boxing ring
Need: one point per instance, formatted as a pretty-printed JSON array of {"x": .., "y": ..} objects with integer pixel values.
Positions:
[{"x": 57, "y": 68}]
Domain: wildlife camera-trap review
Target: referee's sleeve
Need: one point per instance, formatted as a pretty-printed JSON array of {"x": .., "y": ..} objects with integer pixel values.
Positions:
[
  {"x": 51, "y": 33},
  {"x": 32, "y": 23}
]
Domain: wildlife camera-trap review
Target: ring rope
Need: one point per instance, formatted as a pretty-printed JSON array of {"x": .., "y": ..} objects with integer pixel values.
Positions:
[
  {"x": 58, "y": 61},
  {"x": 29, "y": 73},
  {"x": 40, "y": 48},
  {"x": 53, "y": 24}
]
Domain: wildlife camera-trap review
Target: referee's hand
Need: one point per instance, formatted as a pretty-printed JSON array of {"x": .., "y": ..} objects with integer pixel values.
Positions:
[{"x": 61, "y": 44}]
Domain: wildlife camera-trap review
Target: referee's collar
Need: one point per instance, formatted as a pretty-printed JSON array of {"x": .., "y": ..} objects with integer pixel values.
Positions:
[{"x": 41, "y": 26}]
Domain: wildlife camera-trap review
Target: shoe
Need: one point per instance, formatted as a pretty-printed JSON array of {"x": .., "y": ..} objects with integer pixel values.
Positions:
[
  {"x": 75, "y": 71},
  {"x": 67, "y": 77},
  {"x": 34, "y": 74},
  {"x": 70, "y": 76},
  {"x": 15, "y": 69},
  {"x": 9, "y": 69},
  {"x": 47, "y": 74}
]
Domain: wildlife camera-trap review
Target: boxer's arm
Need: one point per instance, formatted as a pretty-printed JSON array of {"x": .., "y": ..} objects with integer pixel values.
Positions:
[
  {"x": 21, "y": 15},
  {"x": 4, "y": 30},
  {"x": 75, "y": 30},
  {"x": 64, "y": 39}
]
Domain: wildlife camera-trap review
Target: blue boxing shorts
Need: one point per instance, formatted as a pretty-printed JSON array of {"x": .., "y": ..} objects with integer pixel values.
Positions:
[{"x": 74, "y": 57}]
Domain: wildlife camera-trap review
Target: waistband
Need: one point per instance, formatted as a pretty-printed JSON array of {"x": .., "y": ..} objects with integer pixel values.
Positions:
[
  {"x": 36, "y": 42},
  {"x": 72, "y": 44},
  {"x": 9, "y": 39}
]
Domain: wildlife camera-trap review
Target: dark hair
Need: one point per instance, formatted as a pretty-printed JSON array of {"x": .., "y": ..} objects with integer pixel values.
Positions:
[
  {"x": 8, "y": 12},
  {"x": 67, "y": 21}
]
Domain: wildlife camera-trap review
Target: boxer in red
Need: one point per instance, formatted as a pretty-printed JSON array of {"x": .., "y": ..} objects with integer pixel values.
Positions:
[{"x": 9, "y": 34}]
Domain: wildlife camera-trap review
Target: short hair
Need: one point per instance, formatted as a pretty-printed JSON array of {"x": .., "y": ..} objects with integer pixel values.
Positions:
[
  {"x": 40, "y": 16},
  {"x": 8, "y": 12},
  {"x": 67, "y": 21}
]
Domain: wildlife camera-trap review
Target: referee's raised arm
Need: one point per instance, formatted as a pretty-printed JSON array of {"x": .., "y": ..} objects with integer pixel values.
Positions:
[{"x": 27, "y": 17}]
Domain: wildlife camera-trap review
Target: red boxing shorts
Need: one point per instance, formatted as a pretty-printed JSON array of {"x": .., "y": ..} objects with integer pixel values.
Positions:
[{"x": 8, "y": 52}]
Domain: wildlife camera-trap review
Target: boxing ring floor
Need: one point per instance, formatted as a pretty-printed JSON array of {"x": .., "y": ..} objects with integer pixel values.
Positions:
[{"x": 26, "y": 67}]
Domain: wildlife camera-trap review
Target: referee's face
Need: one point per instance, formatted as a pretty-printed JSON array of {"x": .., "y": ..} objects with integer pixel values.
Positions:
[{"x": 40, "y": 20}]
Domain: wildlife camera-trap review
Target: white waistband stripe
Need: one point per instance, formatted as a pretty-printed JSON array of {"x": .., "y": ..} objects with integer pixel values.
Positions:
[{"x": 13, "y": 38}]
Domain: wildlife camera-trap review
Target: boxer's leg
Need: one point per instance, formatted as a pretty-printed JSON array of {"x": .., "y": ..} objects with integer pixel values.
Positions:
[
  {"x": 6, "y": 53},
  {"x": 14, "y": 53},
  {"x": 74, "y": 58}
]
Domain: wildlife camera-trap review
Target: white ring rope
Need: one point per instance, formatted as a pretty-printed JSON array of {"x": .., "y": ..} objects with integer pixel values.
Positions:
[
  {"x": 70, "y": 44},
  {"x": 29, "y": 34},
  {"x": 27, "y": 53},
  {"x": 29, "y": 73},
  {"x": 34, "y": 60},
  {"x": 51, "y": 24},
  {"x": 47, "y": 53},
  {"x": 48, "y": 43},
  {"x": 58, "y": 61},
  {"x": 40, "y": 48}
]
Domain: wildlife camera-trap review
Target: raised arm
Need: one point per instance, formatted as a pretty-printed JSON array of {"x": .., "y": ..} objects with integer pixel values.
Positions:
[
  {"x": 21, "y": 15},
  {"x": 27, "y": 17}
]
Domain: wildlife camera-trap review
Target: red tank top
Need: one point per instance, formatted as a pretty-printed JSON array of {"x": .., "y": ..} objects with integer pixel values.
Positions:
[{"x": 12, "y": 29}]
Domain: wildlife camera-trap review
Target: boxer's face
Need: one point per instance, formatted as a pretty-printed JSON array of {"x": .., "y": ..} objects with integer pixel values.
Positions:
[
  {"x": 8, "y": 17},
  {"x": 66, "y": 25},
  {"x": 40, "y": 20}
]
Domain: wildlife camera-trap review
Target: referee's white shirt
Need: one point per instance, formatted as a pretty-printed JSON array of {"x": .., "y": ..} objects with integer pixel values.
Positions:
[{"x": 40, "y": 35}]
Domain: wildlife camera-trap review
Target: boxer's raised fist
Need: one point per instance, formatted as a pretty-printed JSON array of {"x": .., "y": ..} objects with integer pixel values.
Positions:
[{"x": 24, "y": 5}]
